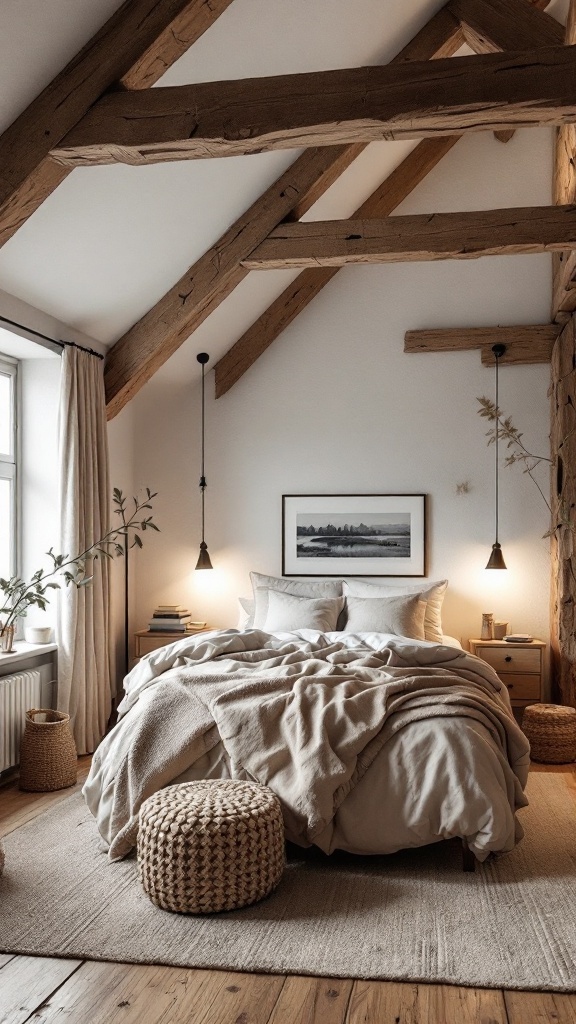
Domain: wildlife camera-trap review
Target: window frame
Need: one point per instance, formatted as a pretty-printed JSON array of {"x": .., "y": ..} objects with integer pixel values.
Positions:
[{"x": 10, "y": 461}]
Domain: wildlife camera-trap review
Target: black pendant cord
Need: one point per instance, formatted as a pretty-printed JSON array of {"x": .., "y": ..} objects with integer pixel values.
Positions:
[
  {"x": 202, "y": 476},
  {"x": 498, "y": 351},
  {"x": 496, "y": 356}
]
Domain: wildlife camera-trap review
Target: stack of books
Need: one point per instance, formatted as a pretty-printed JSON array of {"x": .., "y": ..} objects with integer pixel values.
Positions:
[{"x": 169, "y": 618}]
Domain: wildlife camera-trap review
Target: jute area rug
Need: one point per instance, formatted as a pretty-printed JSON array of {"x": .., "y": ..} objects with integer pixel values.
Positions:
[{"x": 411, "y": 916}]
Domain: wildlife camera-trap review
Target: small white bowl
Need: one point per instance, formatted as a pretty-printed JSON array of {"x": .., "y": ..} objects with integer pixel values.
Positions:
[{"x": 37, "y": 634}]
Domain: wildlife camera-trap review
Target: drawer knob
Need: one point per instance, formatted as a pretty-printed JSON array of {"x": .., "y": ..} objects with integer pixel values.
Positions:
[
  {"x": 510, "y": 686},
  {"x": 508, "y": 657}
]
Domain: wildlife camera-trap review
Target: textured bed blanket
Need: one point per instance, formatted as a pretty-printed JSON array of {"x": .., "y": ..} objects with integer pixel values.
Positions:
[{"x": 304, "y": 714}]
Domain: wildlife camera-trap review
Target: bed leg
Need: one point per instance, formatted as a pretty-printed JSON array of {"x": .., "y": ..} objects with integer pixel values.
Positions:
[{"x": 468, "y": 858}]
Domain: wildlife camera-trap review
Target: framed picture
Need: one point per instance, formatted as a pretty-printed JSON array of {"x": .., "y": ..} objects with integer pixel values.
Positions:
[{"x": 353, "y": 535}]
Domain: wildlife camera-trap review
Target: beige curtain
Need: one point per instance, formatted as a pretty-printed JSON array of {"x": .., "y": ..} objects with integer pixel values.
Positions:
[{"x": 83, "y": 630}]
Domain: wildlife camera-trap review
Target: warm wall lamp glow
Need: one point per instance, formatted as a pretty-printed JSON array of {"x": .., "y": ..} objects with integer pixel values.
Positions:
[
  {"x": 496, "y": 560},
  {"x": 203, "y": 558}
]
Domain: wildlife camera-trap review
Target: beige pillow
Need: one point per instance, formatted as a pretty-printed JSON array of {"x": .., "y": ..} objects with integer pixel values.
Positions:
[
  {"x": 403, "y": 615},
  {"x": 300, "y": 588},
  {"x": 286, "y": 612},
  {"x": 432, "y": 593}
]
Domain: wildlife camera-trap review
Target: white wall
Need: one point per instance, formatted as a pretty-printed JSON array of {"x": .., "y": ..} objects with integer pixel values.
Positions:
[{"x": 336, "y": 406}]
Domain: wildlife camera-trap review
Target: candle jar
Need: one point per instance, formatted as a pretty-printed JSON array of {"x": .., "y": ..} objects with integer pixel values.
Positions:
[{"x": 487, "y": 632}]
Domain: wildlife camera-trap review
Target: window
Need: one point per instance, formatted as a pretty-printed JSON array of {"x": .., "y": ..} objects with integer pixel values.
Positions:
[{"x": 8, "y": 466}]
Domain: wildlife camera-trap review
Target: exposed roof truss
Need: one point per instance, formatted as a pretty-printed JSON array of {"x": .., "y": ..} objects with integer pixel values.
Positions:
[{"x": 73, "y": 120}]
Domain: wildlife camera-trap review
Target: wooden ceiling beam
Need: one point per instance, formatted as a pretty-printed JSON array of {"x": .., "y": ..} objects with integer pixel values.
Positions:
[
  {"x": 135, "y": 357},
  {"x": 493, "y": 25},
  {"x": 525, "y": 343},
  {"x": 135, "y": 47},
  {"x": 397, "y": 186},
  {"x": 494, "y": 91},
  {"x": 564, "y": 191},
  {"x": 424, "y": 237}
]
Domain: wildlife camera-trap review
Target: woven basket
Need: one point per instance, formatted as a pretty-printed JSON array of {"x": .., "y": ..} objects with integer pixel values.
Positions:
[
  {"x": 551, "y": 730},
  {"x": 209, "y": 846},
  {"x": 48, "y": 757}
]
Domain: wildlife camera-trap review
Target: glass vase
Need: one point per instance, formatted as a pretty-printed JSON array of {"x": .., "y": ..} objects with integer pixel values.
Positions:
[{"x": 6, "y": 639}]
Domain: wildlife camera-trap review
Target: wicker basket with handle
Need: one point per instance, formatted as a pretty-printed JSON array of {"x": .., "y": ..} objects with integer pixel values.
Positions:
[{"x": 48, "y": 757}]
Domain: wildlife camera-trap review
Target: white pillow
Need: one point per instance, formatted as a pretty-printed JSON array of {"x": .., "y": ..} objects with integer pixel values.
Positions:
[
  {"x": 432, "y": 593},
  {"x": 286, "y": 612},
  {"x": 403, "y": 615},
  {"x": 246, "y": 612},
  {"x": 300, "y": 588}
]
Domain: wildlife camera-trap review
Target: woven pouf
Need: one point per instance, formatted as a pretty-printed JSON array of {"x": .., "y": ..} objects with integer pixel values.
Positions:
[
  {"x": 551, "y": 730},
  {"x": 210, "y": 845}
]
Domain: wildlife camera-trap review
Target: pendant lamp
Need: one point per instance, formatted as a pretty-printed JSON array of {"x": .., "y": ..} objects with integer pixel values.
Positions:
[
  {"x": 496, "y": 560},
  {"x": 203, "y": 558}
]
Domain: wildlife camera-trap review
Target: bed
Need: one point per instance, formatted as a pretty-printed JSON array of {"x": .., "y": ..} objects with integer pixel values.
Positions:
[{"x": 374, "y": 739}]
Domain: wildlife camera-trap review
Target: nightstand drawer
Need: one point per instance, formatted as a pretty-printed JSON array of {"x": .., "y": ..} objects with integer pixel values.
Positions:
[
  {"x": 515, "y": 659},
  {"x": 521, "y": 687}
]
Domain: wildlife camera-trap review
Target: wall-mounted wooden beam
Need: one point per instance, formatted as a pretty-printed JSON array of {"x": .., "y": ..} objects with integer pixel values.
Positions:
[
  {"x": 525, "y": 343},
  {"x": 134, "y": 359},
  {"x": 438, "y": 236},
  {"x": 494, "y": 91},
  {"x": 137, "y": 45},
  {"x": 564, "y": 191},
  {"x": 397, "y": 186}
]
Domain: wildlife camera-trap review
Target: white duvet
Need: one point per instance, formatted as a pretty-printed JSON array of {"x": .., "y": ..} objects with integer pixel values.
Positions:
[{"x": 429, "y": 750}]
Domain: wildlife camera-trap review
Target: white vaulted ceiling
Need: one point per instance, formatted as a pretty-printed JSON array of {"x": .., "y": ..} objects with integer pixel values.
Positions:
[{"x": 111, "y": 240}]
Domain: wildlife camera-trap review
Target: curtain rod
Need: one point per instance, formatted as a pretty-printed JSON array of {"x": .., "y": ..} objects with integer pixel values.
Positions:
[{"x": 52, "y": 341}]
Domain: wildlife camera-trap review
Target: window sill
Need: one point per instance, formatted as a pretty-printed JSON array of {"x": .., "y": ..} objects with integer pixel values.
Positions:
[{"x": 23, "y": 651}]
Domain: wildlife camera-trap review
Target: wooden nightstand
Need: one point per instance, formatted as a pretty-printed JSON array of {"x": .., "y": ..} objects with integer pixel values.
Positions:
[
  {"x": 520, "y": 667},
  {"x": 147, "y": 640}
]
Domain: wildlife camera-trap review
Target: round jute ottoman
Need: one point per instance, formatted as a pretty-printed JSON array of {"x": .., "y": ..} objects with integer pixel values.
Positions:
[
  {"x": 551, "y": 730},
  {"x": 210, "y": 845}
]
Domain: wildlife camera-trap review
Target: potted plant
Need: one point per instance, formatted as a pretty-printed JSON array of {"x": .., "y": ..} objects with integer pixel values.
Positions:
[{"x": 18, "y": 595}]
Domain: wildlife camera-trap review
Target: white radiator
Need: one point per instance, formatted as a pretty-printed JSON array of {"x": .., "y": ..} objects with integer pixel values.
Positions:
[{"x": 18, "y": 694}]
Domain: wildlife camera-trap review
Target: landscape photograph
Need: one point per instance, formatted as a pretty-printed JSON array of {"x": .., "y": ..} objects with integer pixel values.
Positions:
[{"x": 363, "y": 535}]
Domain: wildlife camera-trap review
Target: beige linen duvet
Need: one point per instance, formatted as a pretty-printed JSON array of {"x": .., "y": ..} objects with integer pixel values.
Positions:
[{"x": 372, "y": 742}]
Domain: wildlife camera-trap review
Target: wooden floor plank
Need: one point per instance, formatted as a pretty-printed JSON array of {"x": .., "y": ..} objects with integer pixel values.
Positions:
[
  {"x": 388, "y": 1002},
  {"x": 384, "y": 1002},
  {"x": 5, "y": 958},
  {"x": 540, "y": 1008},
  {"x": 18, "y": 807},
  {"x": 465, "y": 1005},
  {"x": 27, "y": 981},
  {"x": 312, "y": 1001},
  {"x": 106, "y": 993}
]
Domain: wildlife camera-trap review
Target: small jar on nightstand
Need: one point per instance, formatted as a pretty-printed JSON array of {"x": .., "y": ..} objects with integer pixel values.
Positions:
[{"x": 520, "y": 667}]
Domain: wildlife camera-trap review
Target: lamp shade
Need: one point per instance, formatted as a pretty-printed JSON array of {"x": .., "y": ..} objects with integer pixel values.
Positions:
[
  {"x": 203, "y": 558},
  {"x": 496, "y": 560}
]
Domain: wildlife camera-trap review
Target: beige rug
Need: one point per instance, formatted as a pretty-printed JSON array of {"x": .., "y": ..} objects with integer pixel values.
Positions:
[{"x": 413, "y": 916}]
